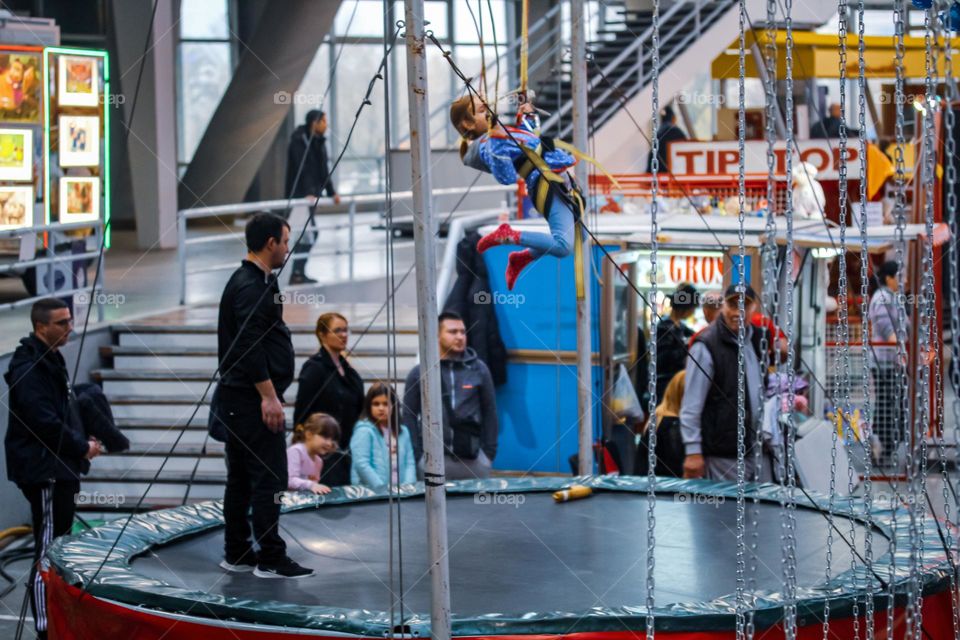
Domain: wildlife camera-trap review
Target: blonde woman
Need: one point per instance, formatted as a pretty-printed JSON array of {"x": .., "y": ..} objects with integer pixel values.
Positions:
[{"x": 670, "y": 452}]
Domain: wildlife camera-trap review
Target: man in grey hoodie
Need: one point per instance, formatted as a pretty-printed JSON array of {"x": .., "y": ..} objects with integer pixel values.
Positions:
[{"x": 470, "y": 427}]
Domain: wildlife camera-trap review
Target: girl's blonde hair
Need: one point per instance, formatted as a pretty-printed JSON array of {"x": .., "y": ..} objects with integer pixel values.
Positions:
[
  {"x": 460, "y": 110},
  {"x": 321, "y": 424},
  {"x": 669, "y": 406}
]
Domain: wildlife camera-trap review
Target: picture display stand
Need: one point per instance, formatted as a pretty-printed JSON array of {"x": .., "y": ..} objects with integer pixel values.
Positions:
[
  {"x": 77, "y": 136},
  {"x": 22, "y": 186}
]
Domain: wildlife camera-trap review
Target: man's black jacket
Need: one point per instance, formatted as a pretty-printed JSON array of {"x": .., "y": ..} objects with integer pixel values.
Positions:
[
  {"x": 315, "y": 175},
  {"x": 45, "y": 439},
  {"x": 263, "y": 349}
]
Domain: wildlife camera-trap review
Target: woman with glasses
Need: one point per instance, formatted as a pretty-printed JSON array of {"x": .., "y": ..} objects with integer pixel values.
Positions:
[{"x": 328, "y": 384}]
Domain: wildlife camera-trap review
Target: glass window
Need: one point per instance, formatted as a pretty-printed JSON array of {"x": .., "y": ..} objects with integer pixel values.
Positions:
[
  {"x": 435, "y": 13},
  {"x": 313, "y": 92},
  {"x": 204, "y": 19},
  {"x": 204, "y": 73},
  {"x": 368, "y": 20},
  {"x": 473, "y": 16},
  {"x": 357, "y": 66}
]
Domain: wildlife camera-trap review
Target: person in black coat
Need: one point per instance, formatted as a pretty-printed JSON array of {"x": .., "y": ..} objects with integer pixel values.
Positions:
[
  {"x": 471, "y": 299},
  {"x": 328, "y": 384},
  {"x": 673, "y": 335},
  {"x": 829, "y": 127},
  {"x": 308, "y": 176},
  {"x": 46, "y": 447},
  {"x": 667, "y": 133}
]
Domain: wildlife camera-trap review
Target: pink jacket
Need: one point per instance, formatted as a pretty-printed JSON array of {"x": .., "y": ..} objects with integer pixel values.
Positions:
[{"x": 302, "y": 469}]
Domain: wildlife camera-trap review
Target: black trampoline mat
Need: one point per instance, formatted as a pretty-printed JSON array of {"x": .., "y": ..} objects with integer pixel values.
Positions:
[{"x": 510, "y": 558}]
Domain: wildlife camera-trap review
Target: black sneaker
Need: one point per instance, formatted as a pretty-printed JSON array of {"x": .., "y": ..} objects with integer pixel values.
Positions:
[
  {"x": 285, "y": 568},
  {"x": 244, "y": 564}
]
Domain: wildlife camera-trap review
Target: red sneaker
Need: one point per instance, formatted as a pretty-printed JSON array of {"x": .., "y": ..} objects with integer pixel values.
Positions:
[
  {"x": 516, "y": 262},
  {"x": 503, "y": 235}
]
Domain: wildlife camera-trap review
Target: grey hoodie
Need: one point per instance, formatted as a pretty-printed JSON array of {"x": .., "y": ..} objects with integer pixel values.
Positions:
[{"x": 468, "y": 393}]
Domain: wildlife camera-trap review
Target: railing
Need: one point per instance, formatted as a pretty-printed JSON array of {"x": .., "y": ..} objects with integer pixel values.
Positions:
[
  {"x": 56, "y": 233},
  {"x": 299, "y": 208},
  {"x": 636, "y": 59}
]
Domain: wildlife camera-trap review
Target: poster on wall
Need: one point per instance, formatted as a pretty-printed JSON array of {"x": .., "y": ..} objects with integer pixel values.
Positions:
[
  {"x": 79, "y": 141},
  {"x": 79, "y": 199},
  {"x": 20, "y": 87},
  {"x": 16, "y": 207},
  {"x": 16, "y": 155},
  {"x": 78, "y": 81}
]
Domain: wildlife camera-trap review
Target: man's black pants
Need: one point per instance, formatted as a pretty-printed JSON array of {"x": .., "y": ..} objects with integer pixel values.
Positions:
[
  {"x": 52, "y": 506},
  {"x": 256, "y": 478}
]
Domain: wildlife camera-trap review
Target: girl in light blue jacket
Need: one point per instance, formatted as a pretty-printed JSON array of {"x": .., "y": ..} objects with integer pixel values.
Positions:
[{"x": 378, "y": 447}]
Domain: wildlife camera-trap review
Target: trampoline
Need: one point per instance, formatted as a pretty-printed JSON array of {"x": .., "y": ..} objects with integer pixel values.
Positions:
[{"x": 520, "y": 565}]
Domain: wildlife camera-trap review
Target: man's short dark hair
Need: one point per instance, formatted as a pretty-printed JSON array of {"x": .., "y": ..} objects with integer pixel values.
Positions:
[
  {"x": 262, "y": 227},
  {"x": 313, "y": 115},
  {"x": 41, "y": 310},
  {"x": 448, "y": 315}
]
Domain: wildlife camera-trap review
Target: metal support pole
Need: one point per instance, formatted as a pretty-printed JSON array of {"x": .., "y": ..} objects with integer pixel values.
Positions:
[
  {"x": 182, "y": 254},
  {"x": 584, "y": 339},
  {"x": 353, "y": 239},
  {"x": 425, "y": 260}
]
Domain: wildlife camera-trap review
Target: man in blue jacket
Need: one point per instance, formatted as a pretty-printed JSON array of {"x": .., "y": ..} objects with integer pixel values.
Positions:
[{"x": 46, "y": 448}]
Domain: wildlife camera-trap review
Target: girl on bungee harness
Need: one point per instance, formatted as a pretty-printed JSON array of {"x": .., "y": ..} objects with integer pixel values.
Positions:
[{"x": 510, "y": 153}]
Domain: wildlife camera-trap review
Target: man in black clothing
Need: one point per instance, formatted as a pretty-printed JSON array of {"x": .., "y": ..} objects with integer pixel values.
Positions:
[
  {"x": 308, "y": 176},
  {"x": 46, "y": 448},
  {"x": 256, "y": 366},
  {"x": 667, "y": 133},
  {"x": 829, "y": 127},
  {"x": 673, "y": 335}
]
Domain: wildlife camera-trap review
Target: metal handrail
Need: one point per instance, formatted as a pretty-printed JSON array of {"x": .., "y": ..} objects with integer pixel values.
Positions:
[
  {"x": 455, "y": 233},
  {"x": 347, "y": 204},
  {"x": 613, "y": 64},
  {"x": 646, "y": 54}
]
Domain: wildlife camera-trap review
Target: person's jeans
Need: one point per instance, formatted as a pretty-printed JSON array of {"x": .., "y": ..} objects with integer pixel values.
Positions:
[
  {"x": 886, "y": 411},
  {"x": 256, "y": 478},
  {"x": 298, "y": 266},
  {"x": 559, "y": 242}
]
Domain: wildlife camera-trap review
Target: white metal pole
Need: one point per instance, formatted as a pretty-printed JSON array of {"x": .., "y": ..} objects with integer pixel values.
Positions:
[
  {"x": 425, "y": 260},
  {"x": 584, "y": 341}
]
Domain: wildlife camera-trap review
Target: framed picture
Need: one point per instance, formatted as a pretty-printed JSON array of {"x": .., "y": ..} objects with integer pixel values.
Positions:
[
  {"x": 16, "y": 207},
  {"x": 21, "y": 81},
  {"x": 78, "y": 81},
  {"x": 79, "y": 199},
  {"x": 16, "y": 155},
  {"x": 79, "y": 141}
]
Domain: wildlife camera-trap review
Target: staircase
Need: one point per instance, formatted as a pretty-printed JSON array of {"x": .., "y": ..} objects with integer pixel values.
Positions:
[
  {"x": 154, "y": 374},
  {"x": 624, "y": 51}
]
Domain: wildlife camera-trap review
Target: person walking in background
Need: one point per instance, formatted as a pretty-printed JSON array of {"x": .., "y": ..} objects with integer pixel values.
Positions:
[
  {"x": 381, "y": 452},
  {"x": 46, "y": 447},
  {"x": 308, "y": 176},
  {"x": 669, "y": 449},
  {"x": 829, "y": 127},
  {"x": 711, "y": 303},
  {"x": 470, "y": 427},
  {"x": 887, "y": 367},
  {"x": 255, "y": 352},
  {"x": 328, "y": 384},
  {"x": 315, "y": 438}
]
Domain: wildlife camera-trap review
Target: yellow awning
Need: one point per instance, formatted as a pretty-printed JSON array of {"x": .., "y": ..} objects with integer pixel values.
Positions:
[{"x": 817, "y": 55}]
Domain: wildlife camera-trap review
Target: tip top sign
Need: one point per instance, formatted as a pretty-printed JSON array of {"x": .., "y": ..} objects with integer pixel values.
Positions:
[{"x": 723, "y": 158}]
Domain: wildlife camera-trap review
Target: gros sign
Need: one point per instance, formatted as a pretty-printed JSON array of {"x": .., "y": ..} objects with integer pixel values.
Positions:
[{"x": 723, "y": 158}]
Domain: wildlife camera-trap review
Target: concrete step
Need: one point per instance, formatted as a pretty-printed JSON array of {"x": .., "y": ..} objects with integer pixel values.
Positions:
[
  {"x": 205, "y": 335},
  {"x": 175, "y": 466},
  {"x": 205, "y": 358},
  {"x": 191, "y": 384}
]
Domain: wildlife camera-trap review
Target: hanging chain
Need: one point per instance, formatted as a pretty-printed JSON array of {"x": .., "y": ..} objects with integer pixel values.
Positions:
[
  {"x": 768, "y": 296},
  {"x": 866, "y": 348},
  {"x": 741, "y": 334},
  {"x": 652, "y": 342},
  {"x": 789, "y": 500},
  {"x": 951, "y": 173}
]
